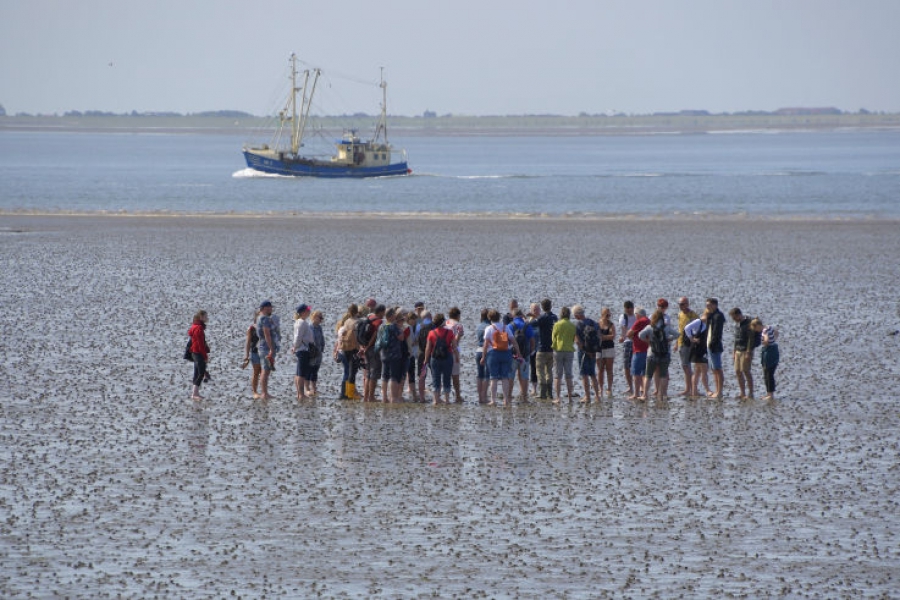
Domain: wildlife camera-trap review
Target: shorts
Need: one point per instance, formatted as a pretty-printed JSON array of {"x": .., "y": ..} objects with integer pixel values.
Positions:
[
  {"x": 522, "y": 368},
  {"x": 373, "y": 364},
  {"x": 684, "y": 353},
  {"x": 499, "y": 364},
  {"x": 607, "y": 353},
  {"x": 587, "y": 364},
  {"x": 482, "y": 369},
  {"x": 303, "y": 366},
  {"x": 743, "y": 359},
  {"x": 627, "y": 353},
  {"x": 455, "y": 366},
  {"x": 639, "y": 363},
  {"x": 660, "y": 364},
  {"x": 254, "y": 359},
  {"x": 715, "y": 360},
  {"x": 394, "y": 369},
  {"x": 563, "y": 363}
]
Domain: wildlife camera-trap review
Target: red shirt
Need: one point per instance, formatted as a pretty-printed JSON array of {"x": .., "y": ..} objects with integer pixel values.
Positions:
[
  {"x": 447, "y": 334},
  {"x": 198, "y": 339},
  {"x": 639, "y": 344}
]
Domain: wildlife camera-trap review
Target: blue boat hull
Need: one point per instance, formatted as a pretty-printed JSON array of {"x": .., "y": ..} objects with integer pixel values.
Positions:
[{"x": 312, "y": 168}]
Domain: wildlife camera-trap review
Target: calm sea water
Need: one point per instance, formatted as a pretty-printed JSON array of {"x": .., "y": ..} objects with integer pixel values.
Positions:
[{"x": 828, "y": 174}]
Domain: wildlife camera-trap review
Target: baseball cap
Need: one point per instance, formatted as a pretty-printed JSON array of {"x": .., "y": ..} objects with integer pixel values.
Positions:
[
  {"x": 265, "y": 303},
  {"x": 303, "y": 308}
]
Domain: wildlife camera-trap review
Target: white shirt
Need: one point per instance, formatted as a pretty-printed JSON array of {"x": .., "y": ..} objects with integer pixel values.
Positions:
[{"x": 303, "y": 336}]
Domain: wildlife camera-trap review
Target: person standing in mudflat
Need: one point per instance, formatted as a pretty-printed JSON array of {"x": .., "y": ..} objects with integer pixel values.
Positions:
[
  {"x": 303, "y": 337},
  {"x": 587, "y": 340},
  {"x": 199, "y": 351},
  {"x": 715, "y": 325},
  {"x": 770, "y": 355},
  {"x": 626, "y": 322},
  {"x": 531, "y": 318},
  {"x": 607, "y": 355},
  {"x": 743, "y": 352},
  {"x": 268, "y": 327},
  {"x": 683, "y": 342},
  {"x": 563, "y": 337},
  {"x": 251, "y": 355},
  {"x": 456, "y": 327},
  {"x": 367, "y": 349},
  {"x": 544, "y": 356},
  {"x": 659, "y": 335},
  {"x": 639, "y": 356}
]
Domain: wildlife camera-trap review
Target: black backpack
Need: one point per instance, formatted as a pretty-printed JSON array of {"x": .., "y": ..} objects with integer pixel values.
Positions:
[
  {"x": 363, "y": 332},
  {"x": 441, "y": 349},
  {"x": 658, "y": 341},
  {"x": 590, "y": 335},
  {"x": 521, "y": 336}
]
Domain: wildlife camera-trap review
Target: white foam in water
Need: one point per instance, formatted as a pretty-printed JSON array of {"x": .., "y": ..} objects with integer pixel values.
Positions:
[{"x": 250, "y": 173}]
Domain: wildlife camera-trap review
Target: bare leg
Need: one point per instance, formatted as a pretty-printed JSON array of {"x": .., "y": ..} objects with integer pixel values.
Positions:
[
  {"x": 688, "y": 375},
  {"x": 507, "y": 392},
  {"x": 254, "y": 380},
  {"x": 264, "y": 385}
]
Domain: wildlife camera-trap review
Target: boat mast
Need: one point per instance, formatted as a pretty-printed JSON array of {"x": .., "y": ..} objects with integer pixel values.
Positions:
[
  {"x": 382, "y": 123},
  {"x": 306, "y": 106}
]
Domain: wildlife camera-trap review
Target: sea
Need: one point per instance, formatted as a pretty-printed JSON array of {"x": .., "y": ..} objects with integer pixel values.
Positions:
[{"x": 848, "y": 174}]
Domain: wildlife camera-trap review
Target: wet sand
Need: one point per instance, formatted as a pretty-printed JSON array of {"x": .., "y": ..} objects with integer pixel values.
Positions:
[{"x": 114, "y": 483}]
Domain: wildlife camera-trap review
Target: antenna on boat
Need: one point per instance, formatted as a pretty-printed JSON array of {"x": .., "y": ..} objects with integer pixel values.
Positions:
[{"x": 382, "y": 123}]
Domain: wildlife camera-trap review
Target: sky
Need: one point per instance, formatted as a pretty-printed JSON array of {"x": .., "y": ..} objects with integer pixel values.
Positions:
[{"x": 492, "y": 57}]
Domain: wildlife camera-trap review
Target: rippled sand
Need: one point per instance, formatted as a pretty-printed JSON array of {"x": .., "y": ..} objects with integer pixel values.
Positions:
[{"x": 114, "y": 483}]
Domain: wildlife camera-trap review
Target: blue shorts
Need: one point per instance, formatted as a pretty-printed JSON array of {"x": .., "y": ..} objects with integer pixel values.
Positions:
[
  {"x": 715, "y": 360},
  {"x": 303, "y": 367},
  {"x": 499, "y": 364},
  {"x": 639, "y": 363},
  {"x": 587, "y": 364},
  {"x": 265, "y": 363},
  {"x": 254, "y": 358},
  {"x": 393, "y": 369},
  {"x": 522, "y": 368},
  {"x": 482, "y": 369}
]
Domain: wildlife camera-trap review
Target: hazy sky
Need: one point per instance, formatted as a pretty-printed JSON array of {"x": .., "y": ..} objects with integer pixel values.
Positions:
[{"x": 461, "y": 57}]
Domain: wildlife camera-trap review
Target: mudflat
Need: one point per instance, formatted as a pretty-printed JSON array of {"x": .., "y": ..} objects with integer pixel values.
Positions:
[{"x": 115, "y": 483}]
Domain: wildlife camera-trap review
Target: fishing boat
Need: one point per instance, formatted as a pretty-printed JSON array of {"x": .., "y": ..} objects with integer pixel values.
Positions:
[{"x": 353, "y": 157}]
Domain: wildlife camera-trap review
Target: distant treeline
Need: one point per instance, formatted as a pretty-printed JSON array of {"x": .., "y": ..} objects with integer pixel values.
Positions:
[
  {"x": 229, "y": 121},
  {"x": 428, "y": 114},
  {"x": 230, "y": 114}
]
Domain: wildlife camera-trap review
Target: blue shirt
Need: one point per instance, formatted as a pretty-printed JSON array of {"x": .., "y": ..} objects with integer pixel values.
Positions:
[
  {"x": 273, "y": 323},
  {"x": 517, "y": 324}
]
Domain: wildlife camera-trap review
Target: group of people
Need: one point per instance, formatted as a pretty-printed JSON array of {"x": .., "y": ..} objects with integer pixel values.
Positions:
[{"x": 535, "y": 348}]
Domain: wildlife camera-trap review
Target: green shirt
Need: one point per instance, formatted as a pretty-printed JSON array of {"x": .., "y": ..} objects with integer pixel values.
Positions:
[{"x": 564, "y": 336}]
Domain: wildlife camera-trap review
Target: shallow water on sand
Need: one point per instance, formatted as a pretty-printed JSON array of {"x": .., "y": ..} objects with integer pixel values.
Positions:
[{"x": 114, "y": 483}]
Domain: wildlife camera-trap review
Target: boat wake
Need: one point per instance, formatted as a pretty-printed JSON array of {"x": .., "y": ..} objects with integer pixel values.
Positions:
[{"x": 249, "y": 173}]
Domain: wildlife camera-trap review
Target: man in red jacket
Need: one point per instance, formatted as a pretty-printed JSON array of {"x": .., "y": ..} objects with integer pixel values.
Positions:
[{"x": 639, "y": 355}]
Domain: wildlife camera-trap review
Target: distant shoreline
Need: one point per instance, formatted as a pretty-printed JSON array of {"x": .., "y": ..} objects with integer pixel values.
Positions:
[
  {"x": 428, "y": 217},
  {"x": 452, "y": 126}
]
